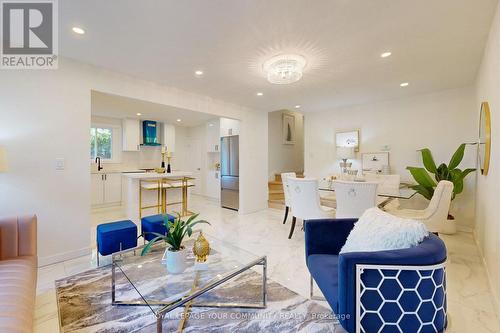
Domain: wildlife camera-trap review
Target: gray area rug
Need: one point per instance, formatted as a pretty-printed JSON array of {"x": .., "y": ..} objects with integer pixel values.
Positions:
[{"x": 84, "y": 302}]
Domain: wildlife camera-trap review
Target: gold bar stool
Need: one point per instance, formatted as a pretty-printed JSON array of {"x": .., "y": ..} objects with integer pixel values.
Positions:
[
  {"x": 151, "y": 185},
  {"x": 182, "y": 183}
]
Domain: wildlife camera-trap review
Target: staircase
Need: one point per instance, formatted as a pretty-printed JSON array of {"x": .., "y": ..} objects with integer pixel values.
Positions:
[{"x": 276, "y": 196}]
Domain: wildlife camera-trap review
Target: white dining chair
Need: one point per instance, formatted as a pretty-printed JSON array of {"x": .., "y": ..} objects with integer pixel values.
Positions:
[
  {"x": 435, "y": 216},
  {"x": 388, "y": 184},
  {"x": 284, "y": 180},
  {"x": 305, "y": 201},
  {"x": 353, "y": 198}
]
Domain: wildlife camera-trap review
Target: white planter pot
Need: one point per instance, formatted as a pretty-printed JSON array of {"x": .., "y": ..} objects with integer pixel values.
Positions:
[
  {"x": 449, "y": 227},
  {"x": 176, "y": 261}
]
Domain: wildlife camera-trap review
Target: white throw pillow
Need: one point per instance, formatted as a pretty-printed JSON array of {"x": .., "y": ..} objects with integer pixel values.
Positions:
[{"x": 377, "y": 230}]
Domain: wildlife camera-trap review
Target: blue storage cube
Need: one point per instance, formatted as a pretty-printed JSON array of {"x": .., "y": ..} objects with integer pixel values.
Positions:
[
  {"x": 111, "y": 235},
  {"x": 154, "y": 223}
]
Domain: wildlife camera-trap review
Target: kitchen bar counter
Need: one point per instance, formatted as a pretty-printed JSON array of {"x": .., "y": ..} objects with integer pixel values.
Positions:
[
  {"x": 154, "y": 175},
  {"x": 133, "y": 196}
]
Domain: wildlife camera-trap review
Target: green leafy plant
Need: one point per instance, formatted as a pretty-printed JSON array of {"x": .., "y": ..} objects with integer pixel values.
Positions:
[
  {"x": 426, "y": 184},
  {"x": 177, "y": 230}
]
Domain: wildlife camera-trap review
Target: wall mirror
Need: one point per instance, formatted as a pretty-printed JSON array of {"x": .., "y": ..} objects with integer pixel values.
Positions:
[
  {"x": 484, "y": 138},
  {"x": 348, "y": 139}
]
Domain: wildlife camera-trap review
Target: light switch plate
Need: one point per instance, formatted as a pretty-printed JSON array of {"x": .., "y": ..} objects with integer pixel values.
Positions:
[{"x": 60, "y": 163}]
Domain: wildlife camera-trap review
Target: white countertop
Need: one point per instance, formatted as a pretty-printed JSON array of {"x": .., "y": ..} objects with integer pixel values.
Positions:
[
  {"x": 114, "y": 171},
  {"x": 154, "y": 175}
]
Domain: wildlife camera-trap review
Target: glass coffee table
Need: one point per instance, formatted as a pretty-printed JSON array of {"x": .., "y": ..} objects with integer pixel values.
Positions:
[{"x": 153, "y": 286}]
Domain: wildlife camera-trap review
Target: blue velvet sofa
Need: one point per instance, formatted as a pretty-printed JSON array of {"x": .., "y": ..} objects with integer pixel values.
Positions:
[{"x": 386, "y": 291}]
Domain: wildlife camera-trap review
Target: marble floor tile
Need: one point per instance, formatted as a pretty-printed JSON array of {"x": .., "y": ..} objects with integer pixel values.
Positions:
[
  {"x": 48, "y": 274},
  {"x": 470, "y": 302}
]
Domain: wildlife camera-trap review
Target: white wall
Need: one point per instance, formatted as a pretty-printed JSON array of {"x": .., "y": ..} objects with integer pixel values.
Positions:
[
  {"x": 45, "y": 114},
  {"x": 487, "y": 230},
  {"x": 285, "y": 158},
  {"x": 439, "y": 121}
]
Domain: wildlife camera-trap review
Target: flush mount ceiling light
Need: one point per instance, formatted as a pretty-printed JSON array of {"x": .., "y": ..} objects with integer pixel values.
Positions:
[
  {"x": 139, "y": 114},
  {"x": 179, "y": 120},
  {"x": 198, "y": 73},
  {"x": 404, "y": 84},
  {"x": 260, "y": 94},
  {"x": 386, "y": 54},
  {"x": 285, "y": 68},
  {"x": 297, "y": 106},
  {"x": 78, "y": 30}
]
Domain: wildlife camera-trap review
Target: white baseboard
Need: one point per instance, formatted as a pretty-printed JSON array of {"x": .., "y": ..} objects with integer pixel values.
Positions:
[
  {"x": 49, "y": 260},
  {"x": 496, "y": 302},
  {"x": 465, "y": 228}
]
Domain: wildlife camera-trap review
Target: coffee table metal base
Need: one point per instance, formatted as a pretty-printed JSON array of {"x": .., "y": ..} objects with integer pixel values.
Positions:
[{"x": 169, "y": 306}]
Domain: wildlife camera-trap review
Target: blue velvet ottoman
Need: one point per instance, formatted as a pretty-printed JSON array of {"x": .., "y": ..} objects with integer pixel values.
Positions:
[
  {"x": 115, "y": 236},
  {"x": 154, "y": 223}
]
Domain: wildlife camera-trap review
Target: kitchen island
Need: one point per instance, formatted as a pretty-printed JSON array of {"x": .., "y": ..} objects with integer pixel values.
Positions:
[{"x": 149, "y": 193}]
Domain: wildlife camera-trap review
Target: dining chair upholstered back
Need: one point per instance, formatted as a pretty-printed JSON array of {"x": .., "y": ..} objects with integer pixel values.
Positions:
[
  {"x": 286, "y": 191},
  {"x": 353, "y": 198},
  {"x": 388, "y": 184},
  {"x": 304, "y": 199},
  {"x": 435, "y": 216}
]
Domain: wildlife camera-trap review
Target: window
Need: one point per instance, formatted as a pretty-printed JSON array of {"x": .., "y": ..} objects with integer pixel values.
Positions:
[{"x": 101, "y": 143}]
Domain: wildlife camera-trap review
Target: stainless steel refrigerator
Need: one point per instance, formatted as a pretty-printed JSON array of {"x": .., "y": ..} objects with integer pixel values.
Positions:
[{"x": 230, "y": 184}]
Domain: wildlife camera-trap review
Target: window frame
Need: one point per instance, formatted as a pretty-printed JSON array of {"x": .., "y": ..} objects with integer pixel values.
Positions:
[{"x": 115, "y": 156}]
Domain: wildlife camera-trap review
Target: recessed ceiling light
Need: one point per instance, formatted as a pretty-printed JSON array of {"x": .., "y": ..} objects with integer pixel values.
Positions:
[
  {"x": 404, "y": 84},
  {"x": 297, "y": 106},
  {"x": 179, "y": 120},
  {"x": 211, "y": 125},
  {"x": 78, "y": 30},
  {"x": 198, "y": 73},
  {"x": 260, "y": 94},
  {"x": 386, "y": 54},
  {"x": 139, "y": 114}
]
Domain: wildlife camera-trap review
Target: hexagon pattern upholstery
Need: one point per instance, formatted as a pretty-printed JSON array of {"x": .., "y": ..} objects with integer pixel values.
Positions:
[
  {"x": 401, "y": 298},
  {"x": 399, "y": 290}
]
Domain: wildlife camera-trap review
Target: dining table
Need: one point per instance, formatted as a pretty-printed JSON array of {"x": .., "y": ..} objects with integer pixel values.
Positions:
[{"x": 386, "y": 195}]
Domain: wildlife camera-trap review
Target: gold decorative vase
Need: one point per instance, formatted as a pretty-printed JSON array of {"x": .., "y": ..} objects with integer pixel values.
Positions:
[{"x": 201, "y": 248}]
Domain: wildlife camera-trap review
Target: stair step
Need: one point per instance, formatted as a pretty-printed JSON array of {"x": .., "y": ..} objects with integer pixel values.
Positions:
[
  {"x": 275, "y": 187},
  {"x": 277, "y": 204},
  {"x": 276, "y": 196}
]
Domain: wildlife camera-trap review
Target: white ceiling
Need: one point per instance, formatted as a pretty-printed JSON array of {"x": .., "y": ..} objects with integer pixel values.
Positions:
[
  {"x": 435, "y": 44},
  {"x": 107, "y": 105}
]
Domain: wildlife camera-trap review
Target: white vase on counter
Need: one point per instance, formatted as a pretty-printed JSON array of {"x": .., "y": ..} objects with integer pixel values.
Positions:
[{"x": 175, "y": 260}]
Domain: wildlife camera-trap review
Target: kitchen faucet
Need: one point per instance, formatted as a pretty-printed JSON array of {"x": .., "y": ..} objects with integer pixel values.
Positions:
[{"x": 98, "y": 161}]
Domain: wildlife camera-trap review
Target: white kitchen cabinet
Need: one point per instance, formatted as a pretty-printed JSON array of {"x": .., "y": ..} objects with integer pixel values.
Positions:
[
  {"x": 213, "y": 136},
  {"x": 112, "y": 188},
  {"x": 168, "y": 138},
  {"x": 106, "y": 189},
  {"x": 213, "y": 184},
  {"x": 131, "y": 134},
  {"x": 229, "y": 127},
  {"x": 96, "y": 189}
]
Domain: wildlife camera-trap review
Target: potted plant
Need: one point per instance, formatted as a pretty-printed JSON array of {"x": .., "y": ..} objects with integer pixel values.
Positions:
[
  {"x": 176, "y": 231},
  {"x": 426, "y": 184}
]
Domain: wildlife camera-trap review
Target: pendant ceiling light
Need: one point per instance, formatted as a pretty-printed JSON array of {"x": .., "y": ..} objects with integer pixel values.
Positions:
[{"x": 284, "y": 69}]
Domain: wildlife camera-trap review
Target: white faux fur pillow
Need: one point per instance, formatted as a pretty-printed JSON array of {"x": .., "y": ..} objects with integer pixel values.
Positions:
[{"x": 377, "y": 230}]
